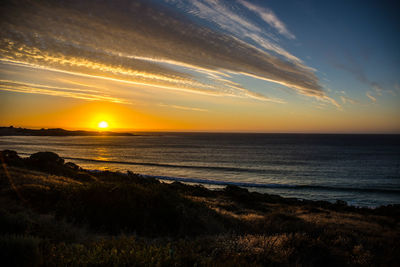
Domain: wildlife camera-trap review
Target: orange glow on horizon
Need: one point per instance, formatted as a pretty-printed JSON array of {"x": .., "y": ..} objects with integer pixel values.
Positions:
[{"x": 72, "y": 114}]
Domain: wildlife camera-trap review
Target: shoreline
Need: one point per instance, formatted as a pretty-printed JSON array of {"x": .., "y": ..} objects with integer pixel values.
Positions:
[
  {"x": 194, "y": 182},
  {"x": 59, "y": 214},
  {"x": 216, "y": 185},
  {"x": 251, "y": 186}
]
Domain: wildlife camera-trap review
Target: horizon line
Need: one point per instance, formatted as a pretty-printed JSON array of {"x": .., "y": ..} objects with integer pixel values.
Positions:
[{"x": 123, "y": 130}]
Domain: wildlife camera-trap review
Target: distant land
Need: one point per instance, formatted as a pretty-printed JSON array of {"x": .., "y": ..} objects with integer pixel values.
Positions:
[{"x": 13, "y": 131}]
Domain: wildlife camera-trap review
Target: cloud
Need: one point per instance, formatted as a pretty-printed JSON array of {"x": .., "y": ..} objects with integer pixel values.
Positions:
[
  {"x": 397, "y": 87},
  {"x": 230, "y": 22},
  {"x": 356, "y": 70},
  {"x": 377, "y": 87},
  {"x": 119, "y": 80},
  {"x": 183, "y": 107},
  {"x": 269, "y": 17},
  {"x": 368, "y": 94},
  {"x": 332, "y": 101},
  {"x": 141, "y": 43},
  {"x": 90, "y": 95},
  {"x": 346, "y": 99}
]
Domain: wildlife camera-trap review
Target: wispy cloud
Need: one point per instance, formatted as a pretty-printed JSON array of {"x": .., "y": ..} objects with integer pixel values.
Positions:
[
  {"x": 183, "y": 107},
  {"x": 370, "y": 96},
  {"x": 226, "y": 17},
  {"x": 396, "y": 89},
  {"x": 346, "y": 99},
  {"x": 357, "y": 71},
  {"x": 269, "y": 17},
  {"x": 31, "y": 88},
  {"x": 140, "y": 43},
  {"x": 377, "y": 87},
  {"x": 332, "y": 101},
  {"x": 118, "y": 80}
]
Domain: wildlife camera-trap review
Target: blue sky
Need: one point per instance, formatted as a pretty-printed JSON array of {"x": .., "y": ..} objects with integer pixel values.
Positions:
[{"x": 353, "y": 45}]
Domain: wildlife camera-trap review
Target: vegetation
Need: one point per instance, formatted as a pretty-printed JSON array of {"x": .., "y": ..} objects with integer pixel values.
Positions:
[{"x": 56, "y": 214}]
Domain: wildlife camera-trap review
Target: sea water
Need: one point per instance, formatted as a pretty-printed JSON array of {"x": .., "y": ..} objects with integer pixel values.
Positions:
[{"x": 363, "y": 170}]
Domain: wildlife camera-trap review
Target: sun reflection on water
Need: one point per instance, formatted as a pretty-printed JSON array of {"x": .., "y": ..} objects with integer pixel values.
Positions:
[{"x": 102, "y": 153}]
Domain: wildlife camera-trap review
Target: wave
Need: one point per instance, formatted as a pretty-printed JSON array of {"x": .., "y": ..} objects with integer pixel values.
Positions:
[
  {"x": 241, "y": 184},
  {"x": 166, "y": 165},
  {"x": 275, "y": 186}
]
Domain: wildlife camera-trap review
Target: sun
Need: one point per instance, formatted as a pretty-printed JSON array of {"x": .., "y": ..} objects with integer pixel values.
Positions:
[{"x": 103, "y": 125}]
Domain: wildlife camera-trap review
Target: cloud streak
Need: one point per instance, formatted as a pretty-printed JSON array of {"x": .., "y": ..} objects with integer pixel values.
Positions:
[
  {"x": 357, "y": 71},
  {"x": 143, "y": 44},
  {"x": 31, "y": 88},
  {"x": 370, "y": 96},
  {"x": 269, "y": 17},
  {"x": 346, "y": 99},
  {"x": 183, "y": 107}
]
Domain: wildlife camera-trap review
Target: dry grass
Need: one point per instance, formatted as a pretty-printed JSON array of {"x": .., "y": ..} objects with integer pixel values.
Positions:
[
  {"x": 116, "y": 219},
  {"x": 24, "y": 177}
]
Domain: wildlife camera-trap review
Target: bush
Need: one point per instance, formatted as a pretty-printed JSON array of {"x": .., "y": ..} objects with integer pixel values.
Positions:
[
  {"x": 19, "y": 250},
  {"x": 18, "y": 223},
  {"x": 10, "y": 157},
  {"x": 150, "y": 210},
  {"x": 123, "y": 251}
]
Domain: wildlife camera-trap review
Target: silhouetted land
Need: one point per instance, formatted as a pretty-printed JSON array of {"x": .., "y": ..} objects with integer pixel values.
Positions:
[
  {"x": 54, "y": 213},
  {"x": 12, "y": 131}
]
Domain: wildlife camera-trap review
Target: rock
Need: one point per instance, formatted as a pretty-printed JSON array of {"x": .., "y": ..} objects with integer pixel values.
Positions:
[
  {"x": 46, "y": 158},
  {"x": 72, "y": 165},
  {"x": 10, "y": 157}
]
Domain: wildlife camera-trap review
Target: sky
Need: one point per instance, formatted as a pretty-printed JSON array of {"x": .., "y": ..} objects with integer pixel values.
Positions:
[{"x": 201, "y": 65}]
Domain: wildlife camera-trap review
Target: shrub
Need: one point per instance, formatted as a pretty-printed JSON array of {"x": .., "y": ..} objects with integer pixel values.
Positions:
[
  {"x": 150, "y": 210},
  {"x": 18, "y": 223},
  {"x": 19, "y": 250},
  {"x": 10, "y": 157},
  {"x": 124, "y": 251}
]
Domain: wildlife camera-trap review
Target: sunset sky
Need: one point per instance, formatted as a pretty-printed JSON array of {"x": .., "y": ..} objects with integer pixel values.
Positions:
[{"x": 201, "y": 65}]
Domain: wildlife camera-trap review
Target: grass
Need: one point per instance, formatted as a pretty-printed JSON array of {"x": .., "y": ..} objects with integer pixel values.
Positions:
[
  {"x": 56, "y": 214},
  {"x": 20, "y": 250}
]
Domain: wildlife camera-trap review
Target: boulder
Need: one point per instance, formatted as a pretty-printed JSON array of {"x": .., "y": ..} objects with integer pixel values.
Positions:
[
  {"x": 46, "y": 158},
  {"x": 10, "y": 157}
]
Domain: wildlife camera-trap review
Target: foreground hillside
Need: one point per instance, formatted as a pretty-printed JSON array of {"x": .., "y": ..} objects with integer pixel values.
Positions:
[{"x": 56, "y": 214}]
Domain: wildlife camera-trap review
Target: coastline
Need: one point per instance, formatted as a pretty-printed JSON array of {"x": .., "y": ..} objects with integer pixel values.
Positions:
[
  {"x": 251, "y": 186},
  {"x": 66, "y": 215},
  {"x": 347, "y": 168},
  {"x": 18, "y": 131}
]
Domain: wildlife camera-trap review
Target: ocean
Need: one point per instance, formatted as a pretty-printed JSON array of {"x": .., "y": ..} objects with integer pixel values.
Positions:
[{"x": 363, "y": 170}]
